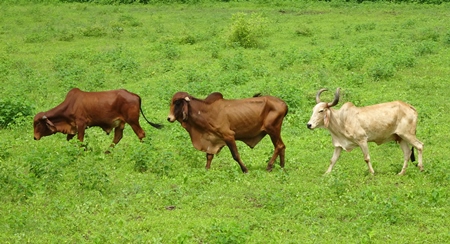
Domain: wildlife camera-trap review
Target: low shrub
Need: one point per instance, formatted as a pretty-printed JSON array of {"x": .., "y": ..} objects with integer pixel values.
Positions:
[
  {"x": 382, "y": 71},
  {"x": 13, "y": 109},
  {"x": 94, "y": 31},
  {"x": 447, "y": 38},
  {"x": 246, "y": 31},
  {"x": 425, "y": 48}
]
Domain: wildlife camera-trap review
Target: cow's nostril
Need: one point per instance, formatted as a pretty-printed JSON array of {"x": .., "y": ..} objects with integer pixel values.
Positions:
[
  {"x": 308, "y": 125},
  {"x": 168, "y": 119}
]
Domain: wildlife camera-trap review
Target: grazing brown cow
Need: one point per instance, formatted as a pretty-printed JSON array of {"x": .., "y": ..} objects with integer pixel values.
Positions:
[
  {"x": 80, "y": 110},
  {"x": 215, "y": 122},
  {"x": 352, "y": 127}
]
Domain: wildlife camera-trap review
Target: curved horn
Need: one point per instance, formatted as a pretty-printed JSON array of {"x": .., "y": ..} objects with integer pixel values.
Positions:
[
  {"x": 187, "y": 99},
  {"x": 336, "y": 98},
  {"x": 318, "y": 94},
  {"x": 44, "y": 117}
]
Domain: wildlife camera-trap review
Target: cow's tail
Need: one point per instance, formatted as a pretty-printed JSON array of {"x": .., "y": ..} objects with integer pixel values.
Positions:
[
  {"x": 413, "y": 158},
  {"x": 157, "y": 126}
]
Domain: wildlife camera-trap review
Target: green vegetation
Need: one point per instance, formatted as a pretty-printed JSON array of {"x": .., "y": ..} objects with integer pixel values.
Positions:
[{"x": 52, "y": 191}]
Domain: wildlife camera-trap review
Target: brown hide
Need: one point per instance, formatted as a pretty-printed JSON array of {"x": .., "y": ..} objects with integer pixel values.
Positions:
[
  {"x": 215, "y": 122},
  {"x": 80, "y": 110}
]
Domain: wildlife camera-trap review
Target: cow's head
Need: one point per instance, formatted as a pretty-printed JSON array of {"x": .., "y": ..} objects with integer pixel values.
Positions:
[
  {"x": 321, "y": 113},
  {"x": 43, "y": 126},
  {"x": 179, "y": 107}
]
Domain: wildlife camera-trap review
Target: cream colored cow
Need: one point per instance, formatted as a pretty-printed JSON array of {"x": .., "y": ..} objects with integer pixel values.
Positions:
[{"x": 352, "y": 126}]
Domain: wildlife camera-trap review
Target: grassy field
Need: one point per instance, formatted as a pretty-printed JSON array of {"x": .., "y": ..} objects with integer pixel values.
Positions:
[{"x": 52, "y": 191}]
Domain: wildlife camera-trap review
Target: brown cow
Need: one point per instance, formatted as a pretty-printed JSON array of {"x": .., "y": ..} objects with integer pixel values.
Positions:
[
  {"x": 215, "y": 122},
  {"x": 353, "y": 126},
  {"x": 80, "y": 110}
]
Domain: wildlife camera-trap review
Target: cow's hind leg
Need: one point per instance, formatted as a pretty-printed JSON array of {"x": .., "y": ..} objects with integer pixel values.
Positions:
[
  {"x": 137, "y": 130},
  {"x": 411, "y": 139},
  {"x": 234, "y": 152},
  {"x": 406, "y": 154},
  {"x": 279, "y": 150}
]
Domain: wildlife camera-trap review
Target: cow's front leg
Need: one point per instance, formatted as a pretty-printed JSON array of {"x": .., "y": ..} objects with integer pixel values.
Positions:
[
  {"x": 365, "y": 150},
  {"x": 234, "y": 152},
  {"x": 209, "y": 158},
  {"x": 334, "y": 158},
  {"x": 80, "y": 131}
]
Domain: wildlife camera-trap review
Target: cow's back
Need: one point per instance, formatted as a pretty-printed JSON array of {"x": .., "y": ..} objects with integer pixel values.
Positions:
[
  {"x": 243, "y": 112},
  {"x": 105, "y": 106},
  {"x": 247, "y": 116},
  {"x": 380, "y": 121}
]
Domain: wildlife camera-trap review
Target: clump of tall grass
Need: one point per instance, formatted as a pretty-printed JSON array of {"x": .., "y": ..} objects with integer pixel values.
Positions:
[
  {"x": 12, "y": 110},
  {"x": 246, "y": 31},
  {"x": 447, "y": 38},
  {"x": 382, "y": 70}
]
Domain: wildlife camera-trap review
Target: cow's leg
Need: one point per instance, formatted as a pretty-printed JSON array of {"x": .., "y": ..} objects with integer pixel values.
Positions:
[
  {"x": 70, "y": 136},
  {"x": 209, "y": 158},
  {"x": 406, "y": 154},
  {"x": 81, "y": 127},
  {"x": 411, "y": 139},
  {"x": 231, "y": 143},
  {"x": 279, "y": 149},
  {"x": 118, "y": 134},
  {"x": 138, "y": 130},
  {"x": 336, "y": 154},
  {"x": 365, "y": 150},
  {"x": 419, "y": 146}
]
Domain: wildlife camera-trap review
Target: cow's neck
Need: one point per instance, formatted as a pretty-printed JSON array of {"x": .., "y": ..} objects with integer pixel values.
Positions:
[
  {"x": 57, "y": 111},
  {"x": 60, "y": 118},
  {"x": 196, "y": 116},
  {"x": 335, "y": 125},
  {"x": 339, "y": 133}
]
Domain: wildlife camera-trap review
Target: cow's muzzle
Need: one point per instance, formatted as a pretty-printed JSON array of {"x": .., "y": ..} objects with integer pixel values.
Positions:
[
  {"x": 309, "y": 126},
  {"x": 171, "y": 118}
]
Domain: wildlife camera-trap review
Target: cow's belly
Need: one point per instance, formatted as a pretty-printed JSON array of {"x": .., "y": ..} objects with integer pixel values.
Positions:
[
  {"x": 208, "y": 143},
  {"x": 381, "y": 140},
  {"x": 107, "y": 126},
  {"x": 347, "y": 145}
]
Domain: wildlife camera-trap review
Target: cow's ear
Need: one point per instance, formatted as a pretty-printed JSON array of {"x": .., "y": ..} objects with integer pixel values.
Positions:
[
  {"x": 185, "y": 111},
  {"x": 49, "y": 124},
  {"x": 326, "y": 117}
]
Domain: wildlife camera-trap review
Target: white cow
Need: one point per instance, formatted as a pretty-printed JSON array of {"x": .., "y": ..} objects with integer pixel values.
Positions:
[{"x": 353, "y": 126}]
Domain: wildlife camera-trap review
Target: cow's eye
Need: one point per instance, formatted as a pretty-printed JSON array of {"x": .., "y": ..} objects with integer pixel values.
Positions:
[
  {"x": 178, "y": 102},
  {"x": 321, "y": 111}
]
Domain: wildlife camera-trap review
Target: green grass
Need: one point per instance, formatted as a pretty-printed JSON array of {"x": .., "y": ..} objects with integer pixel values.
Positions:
[{"x": 158, "y": 191}]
